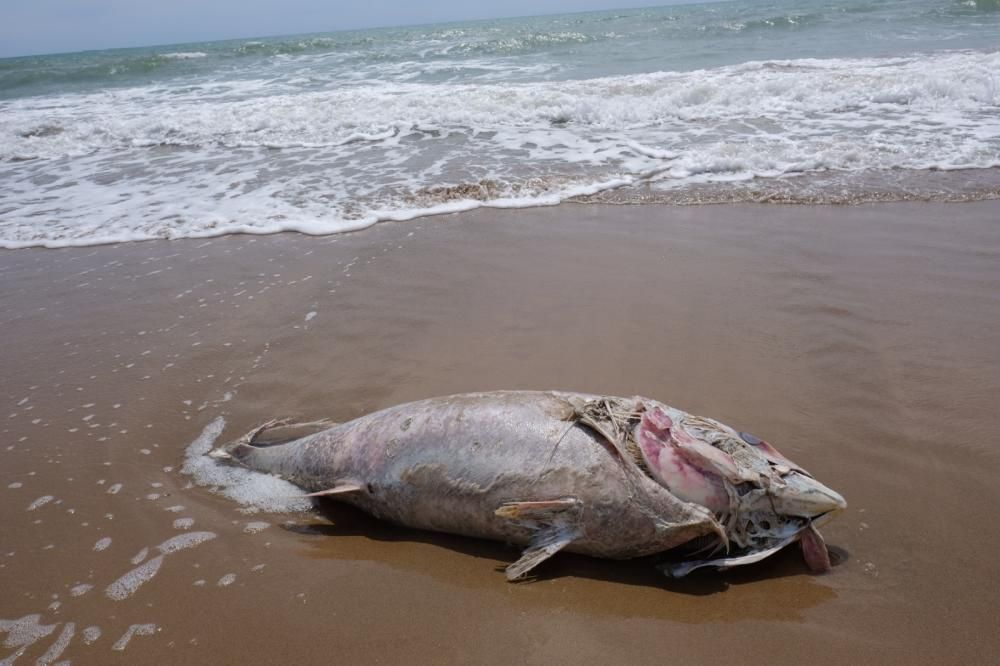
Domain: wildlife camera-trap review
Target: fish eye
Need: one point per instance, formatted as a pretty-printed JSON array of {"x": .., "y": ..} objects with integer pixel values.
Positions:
[{"x": 750, "y": 439}]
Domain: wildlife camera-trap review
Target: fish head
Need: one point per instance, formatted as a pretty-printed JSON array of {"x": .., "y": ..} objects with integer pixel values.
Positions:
[{"x": 761, "y": 497}]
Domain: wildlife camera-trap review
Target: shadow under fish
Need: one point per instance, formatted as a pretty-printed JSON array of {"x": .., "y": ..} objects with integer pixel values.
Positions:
[{"x": 608, "y": 477}]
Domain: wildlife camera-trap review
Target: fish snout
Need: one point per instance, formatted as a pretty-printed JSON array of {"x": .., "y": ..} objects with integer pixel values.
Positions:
[{"x": 802, "y": 495}]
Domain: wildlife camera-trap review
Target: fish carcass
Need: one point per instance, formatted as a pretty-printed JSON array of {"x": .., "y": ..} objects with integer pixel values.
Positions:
[{"x": 604, "y": 476}]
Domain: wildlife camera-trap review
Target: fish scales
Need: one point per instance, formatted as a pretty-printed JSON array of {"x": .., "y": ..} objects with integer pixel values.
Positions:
[{"x": 448, "y": 464}]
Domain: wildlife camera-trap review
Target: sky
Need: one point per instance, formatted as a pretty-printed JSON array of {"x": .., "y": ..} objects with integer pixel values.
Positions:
[{"x": 29, "y": 27}]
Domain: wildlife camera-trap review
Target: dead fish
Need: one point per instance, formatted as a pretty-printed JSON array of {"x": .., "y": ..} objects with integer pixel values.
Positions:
[{"x": 603, "y": 476}]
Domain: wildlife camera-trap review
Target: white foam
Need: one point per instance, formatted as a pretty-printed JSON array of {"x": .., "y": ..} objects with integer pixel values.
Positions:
[
  {"x": 102, "y": 544},
  {"x": 140, "y": 556},
  {"x": 253, "y": 491},
  {"x": 81, "y": 589},
  {"x": 255, "y": 526},
  {"x": 91, "y": 634},
  {"x": 199, "y": 161},
  {"x": 134, "y": 630},
  {"x": 227, "y": 580},
  {"x": 25, "y": 631},
  {"x": 114, "y": 488},
  {"x": 183, "y": 523},
  {"x": 126, "y": 586},
  {"x": 185, "y": 55},
  {"x": 16, "y": 484},
  {"x": 184, "y": 541},
  {"x": 40, "y": 502},
  {"x": 59, "y": 646}
]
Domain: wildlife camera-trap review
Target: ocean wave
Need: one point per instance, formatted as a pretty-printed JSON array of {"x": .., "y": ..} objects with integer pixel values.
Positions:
[
  {"x": 979, "y": 5},
  {"x": 910, "y": 103},
  {"x": 82, "y": 71},
  {"x": 185, "y": 55},
  {"x": 763, "y": 24},
  {"x": 526, "y": 43},
  {"x": 171, "y": 215},
  {"x": 255, "y": 155},
  {"x": 298, "y": 45}
]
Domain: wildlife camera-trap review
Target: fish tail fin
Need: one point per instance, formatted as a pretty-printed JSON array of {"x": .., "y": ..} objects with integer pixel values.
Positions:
[{"x": 270, "y": 433}]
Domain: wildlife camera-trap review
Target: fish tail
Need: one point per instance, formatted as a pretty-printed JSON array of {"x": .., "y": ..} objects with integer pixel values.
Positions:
[{"x": 270, "y": 433}]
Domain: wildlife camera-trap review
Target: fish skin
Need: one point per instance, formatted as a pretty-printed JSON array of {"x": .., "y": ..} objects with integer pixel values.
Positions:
[{"x": 448, "y": 464}]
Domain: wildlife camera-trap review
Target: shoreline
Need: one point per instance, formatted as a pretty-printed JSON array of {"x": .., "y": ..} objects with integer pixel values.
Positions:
[
  {"x": 860, "y": 340},
  {"x": 834, "y": 188}
]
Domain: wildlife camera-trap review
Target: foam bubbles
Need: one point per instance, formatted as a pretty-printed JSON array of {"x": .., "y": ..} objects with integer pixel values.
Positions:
[
  {"x": 134, "y": 630},
  {"x": 91, "y": 634},
  {"x": 255, "y": 526},
  {"x": 227, "y": 580},
  {"x": 81, "y": 589},
  {"x": 197, "y": 162},
  {"x": 25, "y": 631},
  {"x": 128, "y": 584},
  {"x": 185, "y": 55},
  {"x": 183, "y": 523},
  {"x": 184, "y": 541},
  {"x": 252, "y": 490},
  {"x": 59, "y": 646},
  {"x": 102, "y": 544},
  {"x": 40, "y": 502}
]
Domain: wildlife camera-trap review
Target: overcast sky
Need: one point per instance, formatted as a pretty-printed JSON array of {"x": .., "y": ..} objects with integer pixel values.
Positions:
[{"x": 53, "y": 26}]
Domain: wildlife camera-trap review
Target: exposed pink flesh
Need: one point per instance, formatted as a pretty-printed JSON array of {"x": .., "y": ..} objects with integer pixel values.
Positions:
[
  {"x": 658, "y": 419},
  {"x": 673, "y": 470},
  {"x": 814, "y": 550}
]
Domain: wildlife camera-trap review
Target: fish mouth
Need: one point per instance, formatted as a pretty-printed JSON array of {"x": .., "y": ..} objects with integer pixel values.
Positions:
[
  {"x": 814, "y": 550},
  {"x": 799, "y": 494},
  {"x": 762, "y": 500}
]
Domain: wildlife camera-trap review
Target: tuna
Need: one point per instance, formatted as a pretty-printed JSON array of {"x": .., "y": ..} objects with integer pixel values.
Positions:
[{"x": 603, "y": 476}]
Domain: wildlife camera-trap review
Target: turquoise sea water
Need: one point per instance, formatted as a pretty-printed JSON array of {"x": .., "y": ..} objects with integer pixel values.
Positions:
[{"x": 817, "y": 101}]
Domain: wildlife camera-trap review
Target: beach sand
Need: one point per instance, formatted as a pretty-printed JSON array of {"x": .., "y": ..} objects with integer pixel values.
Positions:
[{"x": 862, "y": 341}]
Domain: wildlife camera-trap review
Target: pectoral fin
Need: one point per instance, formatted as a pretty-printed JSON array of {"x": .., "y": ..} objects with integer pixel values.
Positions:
[
  {"x": 339, "y": 489},
  {"x": 556, "y": 524}
]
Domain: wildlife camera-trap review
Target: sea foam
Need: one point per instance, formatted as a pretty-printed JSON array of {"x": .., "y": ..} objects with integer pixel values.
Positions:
[
  {"x": 129, "y": 583},
  {"x": 133, "y": 630},
  {"x": 252, "y": 490},
  {"x": 264, "y": 156}
]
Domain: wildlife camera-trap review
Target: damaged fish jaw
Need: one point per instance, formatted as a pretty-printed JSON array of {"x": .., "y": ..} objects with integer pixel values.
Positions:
[
  {"x": 763, "y": 500},
  {"x": 801, "y": 495}
]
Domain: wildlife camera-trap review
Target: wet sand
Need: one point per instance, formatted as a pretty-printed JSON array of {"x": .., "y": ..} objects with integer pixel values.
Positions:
[{"x": 862, "y": 341}]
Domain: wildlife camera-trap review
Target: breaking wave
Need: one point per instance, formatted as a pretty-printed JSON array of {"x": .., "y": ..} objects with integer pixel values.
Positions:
[
  {"x": 333, "y": 132},
  {"x": 204, "y": 160}
]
